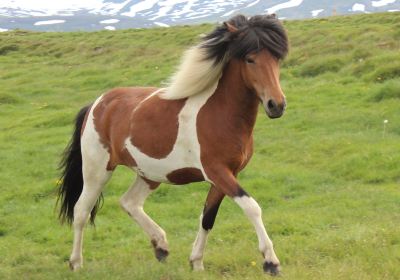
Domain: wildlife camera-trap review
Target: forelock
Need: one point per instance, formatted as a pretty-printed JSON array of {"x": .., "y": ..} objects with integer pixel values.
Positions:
[{"x": 253, "y": 35}]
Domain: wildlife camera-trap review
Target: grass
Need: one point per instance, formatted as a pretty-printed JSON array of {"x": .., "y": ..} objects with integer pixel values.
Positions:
[{"x": 326, "y": 174}]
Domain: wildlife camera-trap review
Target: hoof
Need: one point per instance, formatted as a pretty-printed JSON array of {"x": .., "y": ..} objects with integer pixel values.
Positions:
[
  {"x": 161, "y": 254},
  {"x": 270, "y": 268},
  {"x": 74, "y": 266},
  {"x": 197, "y": 265}
]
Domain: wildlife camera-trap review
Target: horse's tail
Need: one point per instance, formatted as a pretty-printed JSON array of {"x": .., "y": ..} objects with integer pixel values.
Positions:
[{"x": 71, "y": 181}]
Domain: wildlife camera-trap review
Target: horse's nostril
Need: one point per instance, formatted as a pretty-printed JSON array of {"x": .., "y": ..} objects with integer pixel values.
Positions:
[{"x": 271, "y": 104}]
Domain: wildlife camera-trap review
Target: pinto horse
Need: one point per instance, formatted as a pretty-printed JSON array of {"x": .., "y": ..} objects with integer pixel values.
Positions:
[{"x": 199, "y": 128}]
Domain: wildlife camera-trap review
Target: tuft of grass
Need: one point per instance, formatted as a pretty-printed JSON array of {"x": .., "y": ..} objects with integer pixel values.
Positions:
[
  {"x": 360, "y": 54},
  {"x": 319, "y": 65},
  {"x": 388, "y": 90},
  {"x": 6, "y": 98},
  {"x": 386, "y": 72},
  {"x": 4, "y": 50}
]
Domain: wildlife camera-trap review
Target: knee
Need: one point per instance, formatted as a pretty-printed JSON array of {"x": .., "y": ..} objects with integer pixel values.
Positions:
[
  {"x": 124, "y": 204},
  {"x": 130, "y": 207},
  {"x": 249, "y": 206},
  {"x": 80, "y": 216},
  {"x": 254, "y": 209}
]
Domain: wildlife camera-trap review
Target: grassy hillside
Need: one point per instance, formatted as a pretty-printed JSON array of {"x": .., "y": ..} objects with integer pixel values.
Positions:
[{"x": 327, "y": 174}]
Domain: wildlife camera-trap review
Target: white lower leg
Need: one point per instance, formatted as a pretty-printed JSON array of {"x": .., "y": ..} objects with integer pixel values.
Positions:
[
  {"x": 155, "y": 232},
  {"x": 82, "y": 210},
  {"x": 132, "y": 202},
  {"x": 253, "y": 212},
  {"x": 196, "y": 257},
  {"x": 76, "y": 259}
]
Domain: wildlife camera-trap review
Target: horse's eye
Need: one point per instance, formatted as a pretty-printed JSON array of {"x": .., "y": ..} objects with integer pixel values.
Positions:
[{"x": 249, "y": 60}]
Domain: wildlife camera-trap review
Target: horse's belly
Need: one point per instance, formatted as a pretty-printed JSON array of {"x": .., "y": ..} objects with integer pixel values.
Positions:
[{"x": 181, "y": 166}]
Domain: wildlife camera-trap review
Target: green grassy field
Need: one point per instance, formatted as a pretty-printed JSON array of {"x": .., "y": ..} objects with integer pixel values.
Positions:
[{"x": 327, "y": 174}]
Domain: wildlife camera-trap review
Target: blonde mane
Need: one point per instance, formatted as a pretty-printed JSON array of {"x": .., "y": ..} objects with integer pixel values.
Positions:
[{"x": 196, "y": 74}]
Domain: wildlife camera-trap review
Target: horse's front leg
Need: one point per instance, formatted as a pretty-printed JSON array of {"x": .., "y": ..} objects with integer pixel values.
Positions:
[
  {"x": 132, "y": 202},
  {"x": 228, "y": 184},
  {"x": 207, "y": 219}
]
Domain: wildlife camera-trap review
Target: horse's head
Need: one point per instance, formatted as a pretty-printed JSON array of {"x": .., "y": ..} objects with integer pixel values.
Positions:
[
  {"x": 260, "y": 72},
  {"x": 259, "y": 43}
]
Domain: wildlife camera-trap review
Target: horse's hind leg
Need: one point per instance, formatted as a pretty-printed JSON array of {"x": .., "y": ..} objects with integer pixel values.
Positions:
[
  {"x": 90, "y": 194},
  {"x": 95, "y": 176},
  {"x": 132, "y": 202},
  {"x": 207, "y": 219}
]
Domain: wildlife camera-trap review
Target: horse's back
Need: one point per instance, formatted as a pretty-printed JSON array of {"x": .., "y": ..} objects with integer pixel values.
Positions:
[{"x": 122, "y": 98}]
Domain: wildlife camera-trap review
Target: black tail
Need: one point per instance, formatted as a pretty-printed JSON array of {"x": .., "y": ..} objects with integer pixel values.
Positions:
[{"x": 71, "y": 177}]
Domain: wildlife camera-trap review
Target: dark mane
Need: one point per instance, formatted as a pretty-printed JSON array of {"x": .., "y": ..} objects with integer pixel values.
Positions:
[{"x": 252, "y": 35}]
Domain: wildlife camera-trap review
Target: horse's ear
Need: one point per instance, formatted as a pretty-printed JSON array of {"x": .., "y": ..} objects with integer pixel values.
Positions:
[
  {"x": 271, "y": 15},
  {"x": 231, "y": 28}
]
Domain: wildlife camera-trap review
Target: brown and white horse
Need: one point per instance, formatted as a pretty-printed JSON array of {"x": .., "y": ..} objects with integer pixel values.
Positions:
[{"x": 199, "y": 128}]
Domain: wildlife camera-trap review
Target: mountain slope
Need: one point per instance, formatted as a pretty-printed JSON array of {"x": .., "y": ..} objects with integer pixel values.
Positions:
[{"x": 90, "y": 15}]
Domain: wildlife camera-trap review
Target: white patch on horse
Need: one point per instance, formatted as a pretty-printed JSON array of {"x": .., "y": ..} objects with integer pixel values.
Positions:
[
  {"x": 253, "y": 212},
  {"x": 91, "y": 141},
  {"x": 196, "y": 257},
  {"x": 186, "y": 150},
  {"x": 195, "y": 75}
]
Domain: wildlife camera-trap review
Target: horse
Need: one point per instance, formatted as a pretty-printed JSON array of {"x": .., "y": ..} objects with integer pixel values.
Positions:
[{"x": 198, "y": 128}]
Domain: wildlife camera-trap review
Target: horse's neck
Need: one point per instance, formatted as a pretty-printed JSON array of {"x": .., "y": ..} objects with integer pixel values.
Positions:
[{"x": 236, "y": 103}]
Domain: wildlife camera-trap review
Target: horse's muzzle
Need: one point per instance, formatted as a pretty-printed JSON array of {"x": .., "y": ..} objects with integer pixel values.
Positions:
[{"x": 274, "y": 110}]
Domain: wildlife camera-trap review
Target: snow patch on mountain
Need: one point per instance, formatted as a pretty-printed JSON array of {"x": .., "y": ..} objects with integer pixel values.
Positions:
[
  {"x": 252, "y": 4},
  {"x": 315, "y": 13},
  {"x": 161, "y": 24},
  {"x": 109, "y": 21},
  {"x": 381, "y": 3},
  {"x": 166, "y": 7},
  {"x": 141, "y": 6},
  {"x": 108, "y": 8},
  {"x": 109, "y": 27},
  {"x": 186, "y": 9},
  {"x": 3, "y": 29},
  {"x": 285, "y": 5},
  {"x": 47, "y": 22},
  {"x": 357, "y": 7},
  {"x": 229, "y": 13}
]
